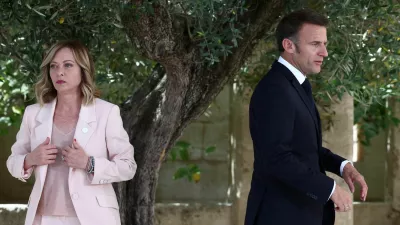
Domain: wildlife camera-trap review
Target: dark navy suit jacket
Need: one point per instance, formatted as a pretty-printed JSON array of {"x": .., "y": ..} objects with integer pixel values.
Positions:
[{"x": 289, "y": 185}]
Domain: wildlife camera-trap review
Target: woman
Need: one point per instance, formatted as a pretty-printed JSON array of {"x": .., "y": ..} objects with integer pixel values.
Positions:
[{"x": 74, "y": 143}]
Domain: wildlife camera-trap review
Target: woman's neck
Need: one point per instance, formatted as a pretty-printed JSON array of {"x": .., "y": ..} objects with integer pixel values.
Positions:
[{"x": 69, "y": 103}]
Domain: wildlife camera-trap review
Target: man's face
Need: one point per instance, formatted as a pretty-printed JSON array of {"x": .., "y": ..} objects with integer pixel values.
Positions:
[{"x": 310, "y": 48}]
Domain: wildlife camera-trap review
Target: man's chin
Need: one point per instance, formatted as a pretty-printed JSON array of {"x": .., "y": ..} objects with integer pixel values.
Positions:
[{"x": 316, "y": 70}]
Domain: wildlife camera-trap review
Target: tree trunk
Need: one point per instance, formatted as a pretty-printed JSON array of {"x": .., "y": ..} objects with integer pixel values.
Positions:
[
  {"x": 179, "y": 89},
  {"x": 394, "y": 165}
]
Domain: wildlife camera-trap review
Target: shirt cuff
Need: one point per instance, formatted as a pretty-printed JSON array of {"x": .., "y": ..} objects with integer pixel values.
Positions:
[
  {"x": 333, "y": 189},
  {"x": 343, "y": 165}
]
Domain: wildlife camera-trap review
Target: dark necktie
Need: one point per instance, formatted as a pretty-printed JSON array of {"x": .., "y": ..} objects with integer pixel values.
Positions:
[{"x": 307, "y": 88}]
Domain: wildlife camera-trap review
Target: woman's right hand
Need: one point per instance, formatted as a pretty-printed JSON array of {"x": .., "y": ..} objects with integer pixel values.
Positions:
[{"x": 43, "y": 154}]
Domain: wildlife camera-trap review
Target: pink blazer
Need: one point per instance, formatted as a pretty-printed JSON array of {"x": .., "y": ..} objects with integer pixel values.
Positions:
[{"x": 100, "y": 133}]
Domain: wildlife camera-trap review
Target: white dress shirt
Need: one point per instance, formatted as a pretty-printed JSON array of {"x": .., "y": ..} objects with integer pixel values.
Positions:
[{"x": 301, "y": 78}]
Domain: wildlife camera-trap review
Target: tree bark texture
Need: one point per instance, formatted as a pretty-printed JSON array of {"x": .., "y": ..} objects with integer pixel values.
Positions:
[
  {"x": 394, "y": 165},
  {"x": 179, "y": 89}
]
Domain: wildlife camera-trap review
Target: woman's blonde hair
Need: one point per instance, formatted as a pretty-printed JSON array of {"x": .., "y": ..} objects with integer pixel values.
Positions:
[{"x": 44, "y": 89}]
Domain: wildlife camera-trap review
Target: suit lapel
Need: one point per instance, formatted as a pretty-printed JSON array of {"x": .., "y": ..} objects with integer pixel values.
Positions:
[
  {"x": 300, "y": 90},
  {"x": 45, "y": 118},
  {"x": 319, "y": 142},
  {"x": 312, "y": 110},
  {"x": 306, "y": 101}
]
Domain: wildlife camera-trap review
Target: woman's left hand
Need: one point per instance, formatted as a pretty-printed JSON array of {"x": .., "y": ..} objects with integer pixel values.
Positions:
[{"x": 75, "y": 156}]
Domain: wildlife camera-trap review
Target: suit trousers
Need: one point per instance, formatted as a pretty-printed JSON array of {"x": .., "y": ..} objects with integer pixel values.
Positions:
[{"x": 55, "y": 220}]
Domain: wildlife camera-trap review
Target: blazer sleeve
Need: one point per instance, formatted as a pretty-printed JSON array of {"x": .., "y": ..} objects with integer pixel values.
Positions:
[
  {"x": 121, "y": 165},
  {"x": 19, "y": 150},
  {"x": 272, "y": 122}
]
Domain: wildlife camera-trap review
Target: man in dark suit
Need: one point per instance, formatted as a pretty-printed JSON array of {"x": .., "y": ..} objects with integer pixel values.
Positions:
[{"x": 289, "y": 185}]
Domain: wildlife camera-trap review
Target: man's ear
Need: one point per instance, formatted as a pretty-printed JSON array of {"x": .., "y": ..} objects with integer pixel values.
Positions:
[{"x": 288, "y": 45}]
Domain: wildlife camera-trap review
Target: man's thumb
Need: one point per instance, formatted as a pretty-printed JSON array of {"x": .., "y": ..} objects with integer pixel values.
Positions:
[{"x": 351, "y": 185}]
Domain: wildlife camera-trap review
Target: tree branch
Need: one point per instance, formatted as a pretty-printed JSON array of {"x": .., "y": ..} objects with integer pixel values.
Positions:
[
  {"x": 206, "y": 84},
  {"x": 156, "y": 35},
  {"x": 162, "y": 38}
]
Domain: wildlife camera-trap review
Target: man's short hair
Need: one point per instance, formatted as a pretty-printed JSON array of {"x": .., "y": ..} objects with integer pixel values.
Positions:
[{"x": 291, "y": 24}]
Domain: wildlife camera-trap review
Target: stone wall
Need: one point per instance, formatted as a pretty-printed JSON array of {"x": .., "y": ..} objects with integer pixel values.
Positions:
[
  {"x": 200, "y": 214},
  {"x": 372, "y": 164},
  {"x": 372, "y": 213},
  {"x": 339, "y": 139},
  {"x": 220, "y": 196},
  {"x": 215, "y": 185}
]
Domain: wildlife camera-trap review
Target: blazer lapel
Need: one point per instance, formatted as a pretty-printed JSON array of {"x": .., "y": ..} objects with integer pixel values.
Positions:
[
  {"x": 45, "y": 118},
  {"x": 84, "y": 128},
  {"x": 86, "y": 124}
]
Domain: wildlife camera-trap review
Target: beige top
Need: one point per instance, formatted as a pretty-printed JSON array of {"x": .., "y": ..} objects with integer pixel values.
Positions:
[{"x": 56, "y": 199}]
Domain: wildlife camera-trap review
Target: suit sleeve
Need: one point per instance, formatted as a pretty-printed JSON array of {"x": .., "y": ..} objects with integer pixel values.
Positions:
[
  {"x": 121, "y": 165},
  {"x": 19, "y": 150},
  {"x": 331, "y": 161},
  {"x": 272, "y": 122}
]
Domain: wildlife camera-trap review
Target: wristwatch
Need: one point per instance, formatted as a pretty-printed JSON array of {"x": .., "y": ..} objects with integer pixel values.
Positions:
[{"x": 90, "y": 167}]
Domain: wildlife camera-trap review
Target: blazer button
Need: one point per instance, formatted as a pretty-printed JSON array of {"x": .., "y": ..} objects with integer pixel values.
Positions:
[{"x": 75, "y": 196}]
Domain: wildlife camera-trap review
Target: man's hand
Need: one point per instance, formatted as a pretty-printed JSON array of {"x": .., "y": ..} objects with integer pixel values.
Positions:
[
  {"x": 342, "y": 199},
  {"x": 351, "y": 176}
]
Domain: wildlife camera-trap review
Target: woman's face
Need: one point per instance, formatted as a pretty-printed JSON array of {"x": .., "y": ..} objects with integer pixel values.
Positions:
[{"x": 65, "y": 73}]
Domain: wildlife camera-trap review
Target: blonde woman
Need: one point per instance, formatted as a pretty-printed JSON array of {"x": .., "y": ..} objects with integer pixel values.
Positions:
[{"x": 74, "y": 143}]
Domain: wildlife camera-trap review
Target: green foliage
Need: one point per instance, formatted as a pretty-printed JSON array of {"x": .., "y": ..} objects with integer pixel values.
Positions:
[
  {"x": 13, "y": 94},
  {"x": 363, "y": 59},
  {"x": 190, "y": 171},
  {"x": 369, "y": 69},
  {"x": 29, "y": 28},
  {"x": 210, "y": 149},
  {"x": 214, "y": 25},
  {"x": 363, "y": 52},
  {"x": 378, "y": 118}
]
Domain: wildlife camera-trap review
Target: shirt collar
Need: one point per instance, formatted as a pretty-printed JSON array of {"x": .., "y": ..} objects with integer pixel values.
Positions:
[{"x": 299, "y": 76}]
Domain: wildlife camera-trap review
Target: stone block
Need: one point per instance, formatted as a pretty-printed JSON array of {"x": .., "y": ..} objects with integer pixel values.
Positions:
[
  {"x": 193, "y": 215},
  {"x": 219, "y": 109},
  {"x": 194, "y": 135},
  {"x": 213, "y": 185},
  {"x": 372, "y": 165},
  {"x": 371, "y": 213},
  {"x": 218, "y": 135}
]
